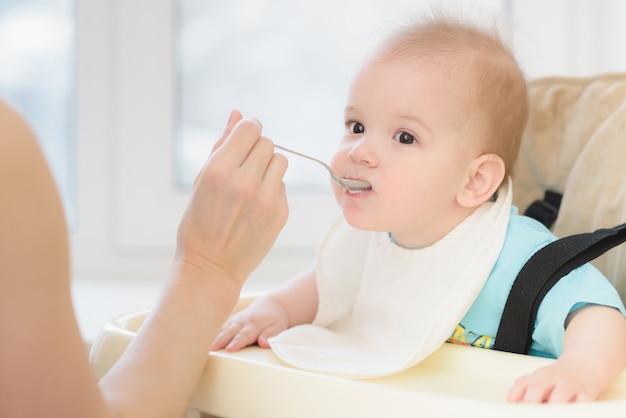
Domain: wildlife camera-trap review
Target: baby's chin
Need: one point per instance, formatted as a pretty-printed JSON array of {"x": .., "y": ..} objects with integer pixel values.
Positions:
[{"x": 359, "y": 222}]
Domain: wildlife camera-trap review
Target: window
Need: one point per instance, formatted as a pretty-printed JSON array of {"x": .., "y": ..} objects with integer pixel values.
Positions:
[
  {"x": 135, "y": 116},
  {"x": 287, "y": 62},
  {"x": 142, "y": 85}
]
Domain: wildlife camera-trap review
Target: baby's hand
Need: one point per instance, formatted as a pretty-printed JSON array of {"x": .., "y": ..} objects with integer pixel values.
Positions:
[
  {"x": 555, "y": 383},
  {"x": 255, "y": 324}
]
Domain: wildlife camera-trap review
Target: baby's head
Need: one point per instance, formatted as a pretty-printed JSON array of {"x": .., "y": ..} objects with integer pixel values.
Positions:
[
  {"x": 434, "y": 120},
  {"x": 488, "y": 79}
]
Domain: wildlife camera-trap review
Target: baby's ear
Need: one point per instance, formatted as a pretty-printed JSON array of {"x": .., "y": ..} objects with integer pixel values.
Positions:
[{"x": 485, "y": 175}]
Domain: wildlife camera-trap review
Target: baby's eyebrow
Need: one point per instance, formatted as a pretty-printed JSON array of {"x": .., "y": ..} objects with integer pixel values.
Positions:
[
  {"x": 349, "y": 109},
  {"x": 418, "y": 120}
]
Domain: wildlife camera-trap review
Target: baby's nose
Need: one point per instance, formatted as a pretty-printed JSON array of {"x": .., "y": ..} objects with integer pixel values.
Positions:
[{"x": 363, "y": 152}]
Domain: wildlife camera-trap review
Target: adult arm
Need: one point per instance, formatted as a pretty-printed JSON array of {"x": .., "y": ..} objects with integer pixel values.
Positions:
[{"x": 237, "y": 208}]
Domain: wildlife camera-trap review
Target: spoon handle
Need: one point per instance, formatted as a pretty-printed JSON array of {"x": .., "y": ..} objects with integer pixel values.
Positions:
[
  {"x": 348, "y": 184},
  {"x": 304, "y": 156}
]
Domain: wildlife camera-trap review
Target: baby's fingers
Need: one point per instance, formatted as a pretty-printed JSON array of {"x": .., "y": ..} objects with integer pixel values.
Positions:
[
  {"x": 268, "y": 333},
  {"x": 517, "y": 392},
  {"x": 529, "y": 389},
  {"x": 246, "y": 336},
  {"x": 565, "y": 393},
  {"x": 226, "y": 334}
]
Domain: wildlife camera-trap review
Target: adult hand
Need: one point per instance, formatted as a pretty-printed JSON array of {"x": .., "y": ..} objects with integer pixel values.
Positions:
[
  {"x": 238, "y": 205},
  {"x": 236, "y": 210}
]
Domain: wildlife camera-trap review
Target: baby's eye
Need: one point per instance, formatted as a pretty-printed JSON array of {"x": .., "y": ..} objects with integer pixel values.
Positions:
[
  {"x": 404, "y": 138},
  {"x": 356, "y": 128}
]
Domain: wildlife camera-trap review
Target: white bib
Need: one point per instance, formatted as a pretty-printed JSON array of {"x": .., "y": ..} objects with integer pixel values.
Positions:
[{"x": 384, "y": 308}]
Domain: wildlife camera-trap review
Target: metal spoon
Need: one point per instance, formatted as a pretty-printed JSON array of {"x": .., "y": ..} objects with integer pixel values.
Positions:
[{"x": 348, "y": 184}]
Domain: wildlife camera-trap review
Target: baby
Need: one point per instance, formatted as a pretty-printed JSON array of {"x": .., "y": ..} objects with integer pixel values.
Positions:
[{"x": 433, "y": 122}]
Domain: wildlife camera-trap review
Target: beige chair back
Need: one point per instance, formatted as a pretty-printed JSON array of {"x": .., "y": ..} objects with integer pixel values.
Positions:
[{"x": 575, "y": 144}]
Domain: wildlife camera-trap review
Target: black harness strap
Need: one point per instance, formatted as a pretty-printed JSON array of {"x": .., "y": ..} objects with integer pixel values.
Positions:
[
  {"x": 539, "y": 274},
  {"x": 546, "y": 210}
]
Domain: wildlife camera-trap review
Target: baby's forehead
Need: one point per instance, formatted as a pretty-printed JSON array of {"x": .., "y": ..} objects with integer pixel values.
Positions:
[
  {"x": 452, "y": 74},
  {"x": 445, "y": 61},
  {"x": 416, "y": 87}
]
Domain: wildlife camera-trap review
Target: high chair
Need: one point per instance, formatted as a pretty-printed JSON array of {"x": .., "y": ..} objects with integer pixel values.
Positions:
[{"x": 574, "y": 147}]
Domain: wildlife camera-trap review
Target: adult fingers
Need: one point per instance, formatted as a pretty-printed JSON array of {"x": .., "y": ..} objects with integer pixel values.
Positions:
[
  {"x": 225, "y": 162},
  {"x": 276, "y": 169},
  {"x": 272, "y": 189},
  {"x": 256, "y": 162},
  {"x": 274, "y": 174},
  {"x": 235, "y": 116},
  {"x": 236, "y": 147}
]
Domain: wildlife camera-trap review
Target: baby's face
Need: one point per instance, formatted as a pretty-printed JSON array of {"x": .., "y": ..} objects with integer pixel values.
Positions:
[{"x": 403, "y": 134}]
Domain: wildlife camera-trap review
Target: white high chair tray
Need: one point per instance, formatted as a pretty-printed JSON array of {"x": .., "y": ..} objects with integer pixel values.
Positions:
[{"x": 454, "y": 381}]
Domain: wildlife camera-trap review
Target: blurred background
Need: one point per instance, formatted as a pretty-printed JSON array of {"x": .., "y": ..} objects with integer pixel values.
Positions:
[{"x": 128, "y": 96}]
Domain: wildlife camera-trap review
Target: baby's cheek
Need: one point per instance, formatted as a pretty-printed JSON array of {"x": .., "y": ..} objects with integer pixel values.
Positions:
[{"x": 337, "y": 161}]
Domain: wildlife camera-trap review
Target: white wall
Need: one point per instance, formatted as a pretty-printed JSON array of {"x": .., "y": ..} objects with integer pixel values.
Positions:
[{"x": 570, "y": 37}]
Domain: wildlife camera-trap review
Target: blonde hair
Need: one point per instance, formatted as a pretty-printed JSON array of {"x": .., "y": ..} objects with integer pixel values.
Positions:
[{"x": 495, "y": 92}]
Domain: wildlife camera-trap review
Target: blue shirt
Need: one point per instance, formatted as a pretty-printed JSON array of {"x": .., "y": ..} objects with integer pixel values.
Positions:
[{"x": 583, "y": 285}]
